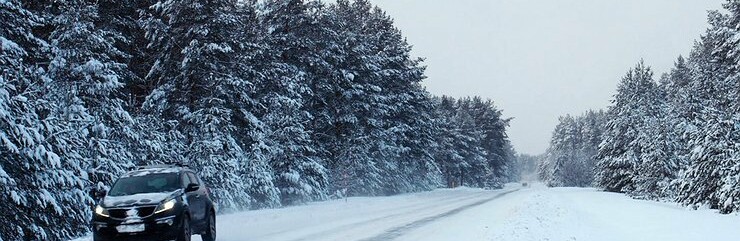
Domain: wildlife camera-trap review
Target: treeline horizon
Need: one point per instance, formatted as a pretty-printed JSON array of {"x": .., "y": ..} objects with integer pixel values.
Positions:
[
  {"x": 274, "y": 103},
  {"x": 673, "y": 138}
]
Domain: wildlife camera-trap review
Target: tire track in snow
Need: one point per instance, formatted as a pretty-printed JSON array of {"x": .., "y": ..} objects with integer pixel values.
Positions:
[
  {"x": 398, "y": 231},
  {"x": 402, "y": 212}
]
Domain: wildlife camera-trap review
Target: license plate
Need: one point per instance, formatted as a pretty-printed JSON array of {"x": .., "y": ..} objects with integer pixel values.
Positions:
[{"x": 131, "y": 228}]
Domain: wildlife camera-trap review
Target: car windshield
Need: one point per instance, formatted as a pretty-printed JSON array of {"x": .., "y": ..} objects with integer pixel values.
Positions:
[{"x": 152, "y": 183}]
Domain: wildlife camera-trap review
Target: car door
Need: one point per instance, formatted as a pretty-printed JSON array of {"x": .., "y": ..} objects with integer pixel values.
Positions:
[
  {"x": 197, "y": 200},
  {"x": 190, "y": 197}
]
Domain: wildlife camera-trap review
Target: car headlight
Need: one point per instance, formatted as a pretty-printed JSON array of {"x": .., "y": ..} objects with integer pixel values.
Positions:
[
  {"x": 101, "y": 211},
  {"x": 166, "y": 206}
]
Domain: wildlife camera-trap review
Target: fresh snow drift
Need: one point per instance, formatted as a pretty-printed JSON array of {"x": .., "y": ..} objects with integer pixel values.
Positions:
[{"x": 511, "y": 214}]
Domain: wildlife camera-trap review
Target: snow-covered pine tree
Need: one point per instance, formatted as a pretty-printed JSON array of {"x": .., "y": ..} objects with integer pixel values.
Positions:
[
  {"x": 708, "y": 180},
  {"x": 570, "y": 158},
  {"x": 695, "y": 185},
  {"x": 514, "y": 169},
  {"x": 419, "y": 140},
  {"x": 561, "y": 153},
  {"x": 656, "y": 168},
  {"x": 495, "y": 141},
  {"x": 711, "y": 178},
  {"x": 372, "y": 75},
  {"x": 43, "y": 193},
  {"x": 334, "y": 125},
  {"x": 729, "y": 192},
  {"x": 158, "y": 141},
  {"x": 619, "y": 153},
  {"x": 446, "y": 155},
  {"x": 204, "y": 85},
  {"x": 399, "y": 123},
  {"x": 345, "y": 100},
  {"x": 544, "y": 168},
  {"x": 591, "y": 136},
  {"x": 86, "y": 84},
  {"x": 679, "y": 120},
  {"x": 124, "y": 19},
  {"x": 466, "y": 130},
  {"x": 288, "y": 27},
  {"x": 477, "y": 170}
]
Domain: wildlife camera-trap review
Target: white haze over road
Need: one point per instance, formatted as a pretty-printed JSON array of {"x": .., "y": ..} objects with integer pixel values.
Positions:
[{"x": 539, "y": 59}]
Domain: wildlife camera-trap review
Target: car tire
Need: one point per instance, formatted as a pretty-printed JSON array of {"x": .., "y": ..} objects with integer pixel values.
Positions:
[
  {"x": 210, "y": 230},
  {"x": 185, "y": 233}
]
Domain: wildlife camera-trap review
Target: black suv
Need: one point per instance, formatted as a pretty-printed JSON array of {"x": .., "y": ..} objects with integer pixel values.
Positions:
[{"x": 155, "y": 203}]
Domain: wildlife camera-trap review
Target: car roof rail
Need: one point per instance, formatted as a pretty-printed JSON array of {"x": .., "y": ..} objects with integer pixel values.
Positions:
[
  {"x": 180, "y": 164},
  {"x": 153, "y": 166},
  {"x": 166, "y": 165}
]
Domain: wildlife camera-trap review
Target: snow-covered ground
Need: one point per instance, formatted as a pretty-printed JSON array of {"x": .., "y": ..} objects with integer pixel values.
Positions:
[{"x": 465, "y": 214}]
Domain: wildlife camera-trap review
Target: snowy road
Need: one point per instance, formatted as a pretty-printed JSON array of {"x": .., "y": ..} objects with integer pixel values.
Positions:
[
  {"x": 521, "y": 214},
  {"x": 366, "y": 219},
  {"x": 511, "y": 214}
]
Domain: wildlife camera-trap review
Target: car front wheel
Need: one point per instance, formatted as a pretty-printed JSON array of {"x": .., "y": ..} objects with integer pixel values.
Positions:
[
  {"x": 210, "y": 233},
  {"x": 185, "y": 232}
]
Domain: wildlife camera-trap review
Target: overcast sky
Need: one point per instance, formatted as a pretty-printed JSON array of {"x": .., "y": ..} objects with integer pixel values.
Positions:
[{"x": 540, "y": 59}]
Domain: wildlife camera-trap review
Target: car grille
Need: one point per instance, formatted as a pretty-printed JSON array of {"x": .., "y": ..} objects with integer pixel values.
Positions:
[
  {"x": 146, "y": 211},
  {"x": 122, "y": 213}
]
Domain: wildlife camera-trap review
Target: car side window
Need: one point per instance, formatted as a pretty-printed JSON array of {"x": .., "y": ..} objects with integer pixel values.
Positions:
[
  {"x": 193, "y": 178},
  {"x": 185, "y": 180}
]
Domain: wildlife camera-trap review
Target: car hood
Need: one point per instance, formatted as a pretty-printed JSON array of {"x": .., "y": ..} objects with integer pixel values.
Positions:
[{"x": 136, "y": 199}]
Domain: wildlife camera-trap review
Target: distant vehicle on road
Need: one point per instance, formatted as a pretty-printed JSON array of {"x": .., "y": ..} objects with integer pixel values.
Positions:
[
  {"x": 155, "y": 203},
  {"x": 524, "y": 184}
]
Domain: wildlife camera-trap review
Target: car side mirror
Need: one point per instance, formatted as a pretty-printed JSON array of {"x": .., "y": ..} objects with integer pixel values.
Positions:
[
  {"x": 100, "y": 193},
  {"x": 192, "y": 187}
]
